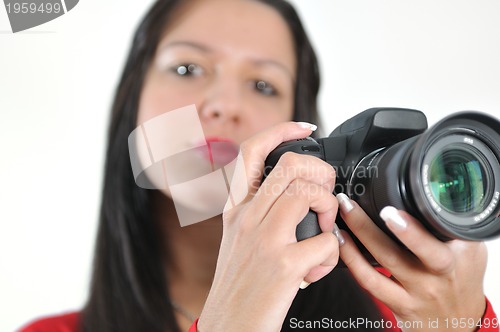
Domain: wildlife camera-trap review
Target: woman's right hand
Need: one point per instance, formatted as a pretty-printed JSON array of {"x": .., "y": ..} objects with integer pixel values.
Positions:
[{"x": 261, "y": 264}]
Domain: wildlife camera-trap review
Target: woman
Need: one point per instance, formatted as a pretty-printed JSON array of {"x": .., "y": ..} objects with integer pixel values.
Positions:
[{"x": 250, "y": 69}]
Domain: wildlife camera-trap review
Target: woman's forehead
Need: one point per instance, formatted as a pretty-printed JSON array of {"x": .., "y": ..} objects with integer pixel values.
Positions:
[{"x": 239, "y": 28}]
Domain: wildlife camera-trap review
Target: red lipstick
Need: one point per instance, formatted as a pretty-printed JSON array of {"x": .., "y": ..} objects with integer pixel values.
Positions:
[{"x": 221, "y": 151}]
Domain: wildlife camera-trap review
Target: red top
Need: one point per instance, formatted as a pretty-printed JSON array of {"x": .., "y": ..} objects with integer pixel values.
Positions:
[
  {"x": 69, "y": 322},
  {"x": 62, "y": 323}
]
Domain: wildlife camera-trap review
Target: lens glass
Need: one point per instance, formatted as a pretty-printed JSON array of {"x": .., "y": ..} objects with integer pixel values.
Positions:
[{"x": 459, "y": 180}]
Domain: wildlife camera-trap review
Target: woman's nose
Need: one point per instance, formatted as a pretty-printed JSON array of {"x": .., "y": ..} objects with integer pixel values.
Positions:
[{"x": 222, "y": 102}]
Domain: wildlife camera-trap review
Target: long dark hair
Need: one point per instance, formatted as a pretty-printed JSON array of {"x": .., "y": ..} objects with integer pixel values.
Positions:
[{"x": 129, "y": 285}]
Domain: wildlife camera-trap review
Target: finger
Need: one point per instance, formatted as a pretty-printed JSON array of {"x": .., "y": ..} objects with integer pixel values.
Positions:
[
  {"x": 389, "y": 254},
  {"x": 318, "y": 272},
  {"x": 291, "y": 166},
  {"x": 434, "y": 254},
  {"x": 316, "y": 256},
  {"x": 380, "y": 286},
  {"x": 249, "y": 164},
  {"x": 292, "y": 206},
  {"x": 294, "y": 166}
]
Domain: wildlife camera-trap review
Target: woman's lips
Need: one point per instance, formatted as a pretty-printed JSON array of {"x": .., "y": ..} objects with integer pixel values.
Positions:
[{"x": 219, "y": 151}]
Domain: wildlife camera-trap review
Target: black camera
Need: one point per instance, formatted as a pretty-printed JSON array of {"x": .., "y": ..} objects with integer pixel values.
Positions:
[{"x": 448, "y": 177}]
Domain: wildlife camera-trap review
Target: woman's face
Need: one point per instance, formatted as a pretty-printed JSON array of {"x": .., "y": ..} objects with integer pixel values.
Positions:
[{"x": 235, "y": 61}]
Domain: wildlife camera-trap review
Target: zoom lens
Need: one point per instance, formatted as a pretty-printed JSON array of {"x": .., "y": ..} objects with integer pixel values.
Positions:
[
  {"x": 459, "y": 179},
  {"x": 448, "y": 178}
]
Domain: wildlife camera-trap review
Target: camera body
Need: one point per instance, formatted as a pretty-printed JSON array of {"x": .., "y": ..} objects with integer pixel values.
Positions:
[{"x": 447, "y": 177}]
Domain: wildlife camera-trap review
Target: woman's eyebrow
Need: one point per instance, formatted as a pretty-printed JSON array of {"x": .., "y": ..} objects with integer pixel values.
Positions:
[{"x": 206, "y": 49}]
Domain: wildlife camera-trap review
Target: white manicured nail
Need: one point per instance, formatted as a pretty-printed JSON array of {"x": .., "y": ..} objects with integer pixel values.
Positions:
[
  {"x": 345, "y": 203},
  {"x": 304, "y": 284},
  {"x": 340, "y": 237},
  {"x": 391, "y": 216},
  {"x": 307, "y": 125}
]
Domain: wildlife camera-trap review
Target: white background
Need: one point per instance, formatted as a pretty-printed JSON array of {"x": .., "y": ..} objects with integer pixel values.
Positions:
[{"x": 57, "y": 81}]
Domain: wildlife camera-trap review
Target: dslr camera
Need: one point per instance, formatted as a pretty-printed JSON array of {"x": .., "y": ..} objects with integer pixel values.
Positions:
[{"x": 447, "y": 177}]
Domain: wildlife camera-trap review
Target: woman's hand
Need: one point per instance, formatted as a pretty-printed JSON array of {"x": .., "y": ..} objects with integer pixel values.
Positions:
[
  {"x": 261, "y": 264},
  {"x": 437, "y": 282}
]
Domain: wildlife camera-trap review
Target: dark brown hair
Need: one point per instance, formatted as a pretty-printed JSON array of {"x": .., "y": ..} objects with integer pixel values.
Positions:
[{"x": 129, "y": 285}]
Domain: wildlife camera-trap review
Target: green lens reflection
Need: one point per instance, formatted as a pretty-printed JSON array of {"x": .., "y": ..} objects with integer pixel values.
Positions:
[{"x": 458, "y": 180}]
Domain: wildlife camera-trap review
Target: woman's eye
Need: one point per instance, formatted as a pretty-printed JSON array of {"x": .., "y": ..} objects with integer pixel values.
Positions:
[
  {"x": 188, "y": 69},
  {"x": 265, "y": 88}
]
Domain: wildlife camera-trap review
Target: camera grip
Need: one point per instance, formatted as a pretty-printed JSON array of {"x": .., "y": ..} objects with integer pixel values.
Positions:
[{"x": 308, "y": 227}]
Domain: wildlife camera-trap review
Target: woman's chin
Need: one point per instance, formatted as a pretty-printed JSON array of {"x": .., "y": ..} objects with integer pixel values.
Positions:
[{"x": 195, "y": 205}]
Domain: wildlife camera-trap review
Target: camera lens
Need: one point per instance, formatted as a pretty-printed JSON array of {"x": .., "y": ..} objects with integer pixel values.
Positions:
[
  {"x": 447, "y": 177},
  {"x": 458, "y": 179}
]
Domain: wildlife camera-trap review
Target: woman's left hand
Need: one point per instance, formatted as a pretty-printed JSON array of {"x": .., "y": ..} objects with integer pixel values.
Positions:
[{"x": 435, "y": 282}]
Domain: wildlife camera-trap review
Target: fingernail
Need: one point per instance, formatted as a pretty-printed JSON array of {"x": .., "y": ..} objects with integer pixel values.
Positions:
[
  {"x": 340, "y": 237},
  {"x": 304, "y": 284},
  {"x": 391, "y": 216},
  {"x": 307, "y": 125},
  {"x": 345, "y": 203}
]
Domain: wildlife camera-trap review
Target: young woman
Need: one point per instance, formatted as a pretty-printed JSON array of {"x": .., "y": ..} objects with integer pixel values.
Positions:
[{"x": 249, "y": 68}]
